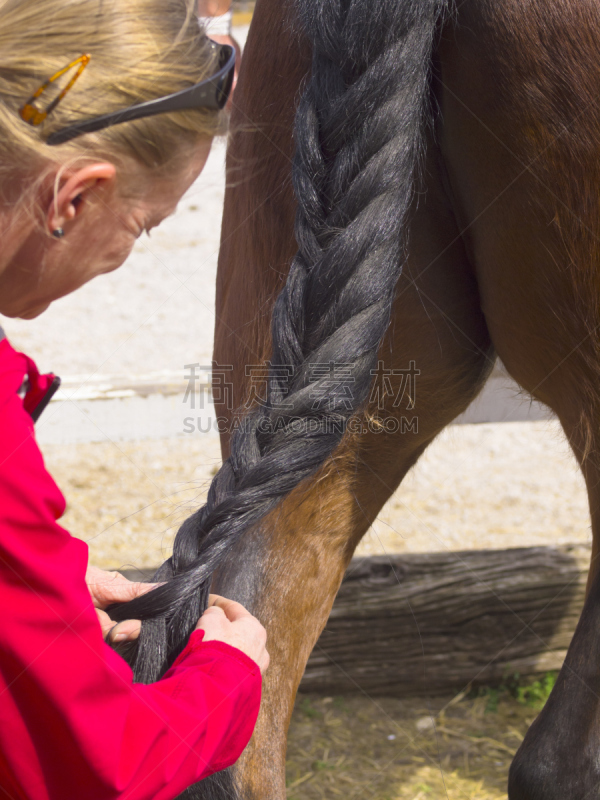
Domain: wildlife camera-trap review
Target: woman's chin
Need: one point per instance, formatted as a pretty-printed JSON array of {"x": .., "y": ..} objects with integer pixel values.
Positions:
[{"x": 30, "y": 313}]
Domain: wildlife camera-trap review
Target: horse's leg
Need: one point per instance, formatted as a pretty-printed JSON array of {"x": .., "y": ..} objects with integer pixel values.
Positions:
[
  {"x": 289, "y": 570},
  {"x": 521, "y": 133}
]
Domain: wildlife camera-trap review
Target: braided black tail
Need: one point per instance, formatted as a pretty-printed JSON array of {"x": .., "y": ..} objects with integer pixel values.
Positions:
[{"x": 358, "y": 135}]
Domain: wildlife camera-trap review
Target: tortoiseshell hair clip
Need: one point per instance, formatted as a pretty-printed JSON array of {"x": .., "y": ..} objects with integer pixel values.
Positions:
[{"x": 35, "y": 116}]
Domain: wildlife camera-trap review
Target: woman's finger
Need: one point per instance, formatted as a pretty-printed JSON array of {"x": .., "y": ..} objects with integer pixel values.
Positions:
[
  {"x": 232, "y": 610},
  {"x": 106, "y": 622},
  {"x": 125, "y": 631},
  {"x": 122, "y": 592},
  {"x": 264, "y": 662},
  {"x": 113, "y": 632},
  {"x": 213, "y": 611},
  {"x": 112, "y": 587}
]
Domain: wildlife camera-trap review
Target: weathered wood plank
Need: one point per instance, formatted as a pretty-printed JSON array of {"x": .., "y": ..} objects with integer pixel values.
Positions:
[{"x": 433, "y": 622}]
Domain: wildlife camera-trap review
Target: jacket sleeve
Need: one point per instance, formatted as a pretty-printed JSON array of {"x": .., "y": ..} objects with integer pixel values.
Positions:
[{"x": 72, "y": 722}]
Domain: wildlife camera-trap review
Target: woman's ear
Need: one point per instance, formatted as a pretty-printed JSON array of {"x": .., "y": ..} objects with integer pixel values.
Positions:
[{"x": 80, "y": 186}]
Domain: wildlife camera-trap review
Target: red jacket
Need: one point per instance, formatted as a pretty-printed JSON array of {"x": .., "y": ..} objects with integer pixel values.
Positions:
[{"x": 73, "y": 724}]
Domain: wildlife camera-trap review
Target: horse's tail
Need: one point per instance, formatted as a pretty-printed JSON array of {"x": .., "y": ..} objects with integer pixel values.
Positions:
[{"x": 359, "y": 131}]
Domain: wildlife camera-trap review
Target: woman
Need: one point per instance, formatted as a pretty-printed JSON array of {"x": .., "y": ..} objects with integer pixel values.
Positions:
[{"x": 84, "y": 170}]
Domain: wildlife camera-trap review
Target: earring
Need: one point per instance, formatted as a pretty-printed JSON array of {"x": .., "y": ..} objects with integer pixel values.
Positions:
[{"x": 58, "y": 233}]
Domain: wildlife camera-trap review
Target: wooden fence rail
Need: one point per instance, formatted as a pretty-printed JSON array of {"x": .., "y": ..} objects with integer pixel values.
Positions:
[{"x": 432, "y": 622}]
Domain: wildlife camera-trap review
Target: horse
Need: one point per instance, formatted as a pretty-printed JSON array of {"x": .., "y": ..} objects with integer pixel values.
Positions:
[
  {"x": 413, "y": 188},
  {"x": 502, "y": 260}
]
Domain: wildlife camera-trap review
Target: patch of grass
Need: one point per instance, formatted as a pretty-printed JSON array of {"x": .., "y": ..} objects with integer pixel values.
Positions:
[
  {"x": 317, "y": 765},
  {"x": 535, "y": 694},
  {"x": 532, "y": 694},
  {"x": 340, "y": 703},
  {"x": 308, "y": 709},
  {"x": 493, "y": 696}
]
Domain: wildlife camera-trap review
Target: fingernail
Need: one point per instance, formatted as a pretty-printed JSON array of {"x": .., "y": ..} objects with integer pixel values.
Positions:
[{"x": 116, "y": 635}]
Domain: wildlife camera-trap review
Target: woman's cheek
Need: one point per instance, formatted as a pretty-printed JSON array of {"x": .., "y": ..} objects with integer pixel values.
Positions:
[
  {"x": 116, "y": 252},
  {"x": 122, "y": 250}
]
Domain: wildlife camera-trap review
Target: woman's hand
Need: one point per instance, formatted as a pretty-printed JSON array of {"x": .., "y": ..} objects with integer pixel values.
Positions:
[
  {"x": 112, "y": 587},
  {"x": 223, "y": 621},
  {"x": 227, "y": 621}
]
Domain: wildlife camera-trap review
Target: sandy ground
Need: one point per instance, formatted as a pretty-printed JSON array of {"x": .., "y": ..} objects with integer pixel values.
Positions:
[{"x": 478, "y": 486}]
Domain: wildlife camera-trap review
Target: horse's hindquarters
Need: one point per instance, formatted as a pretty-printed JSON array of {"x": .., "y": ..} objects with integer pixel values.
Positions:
[{"x": 519, "y": 84}]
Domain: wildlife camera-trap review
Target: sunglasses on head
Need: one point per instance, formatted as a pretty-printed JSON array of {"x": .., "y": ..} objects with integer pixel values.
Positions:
[{"x": 211, "y": 94}]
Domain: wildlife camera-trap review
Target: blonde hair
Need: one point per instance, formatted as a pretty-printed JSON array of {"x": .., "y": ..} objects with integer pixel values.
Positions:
[{"x": 140, "y": 50}]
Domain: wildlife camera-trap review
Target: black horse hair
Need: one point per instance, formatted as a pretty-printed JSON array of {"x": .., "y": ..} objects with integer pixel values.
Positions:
[{"x": 358, "y": 135}]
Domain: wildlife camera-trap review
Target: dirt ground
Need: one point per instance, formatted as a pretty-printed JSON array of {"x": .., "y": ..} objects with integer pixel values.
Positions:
[{"x": 362, "y": 748}]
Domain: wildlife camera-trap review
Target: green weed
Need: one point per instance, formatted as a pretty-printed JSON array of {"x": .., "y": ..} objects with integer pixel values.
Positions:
[
  {"x": 307, "y": 708},
  {"x": 533, "y": 693}
]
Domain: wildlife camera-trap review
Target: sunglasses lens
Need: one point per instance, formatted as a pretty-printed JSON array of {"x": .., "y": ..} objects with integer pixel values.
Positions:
[{"x": 224, "y": 89}]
